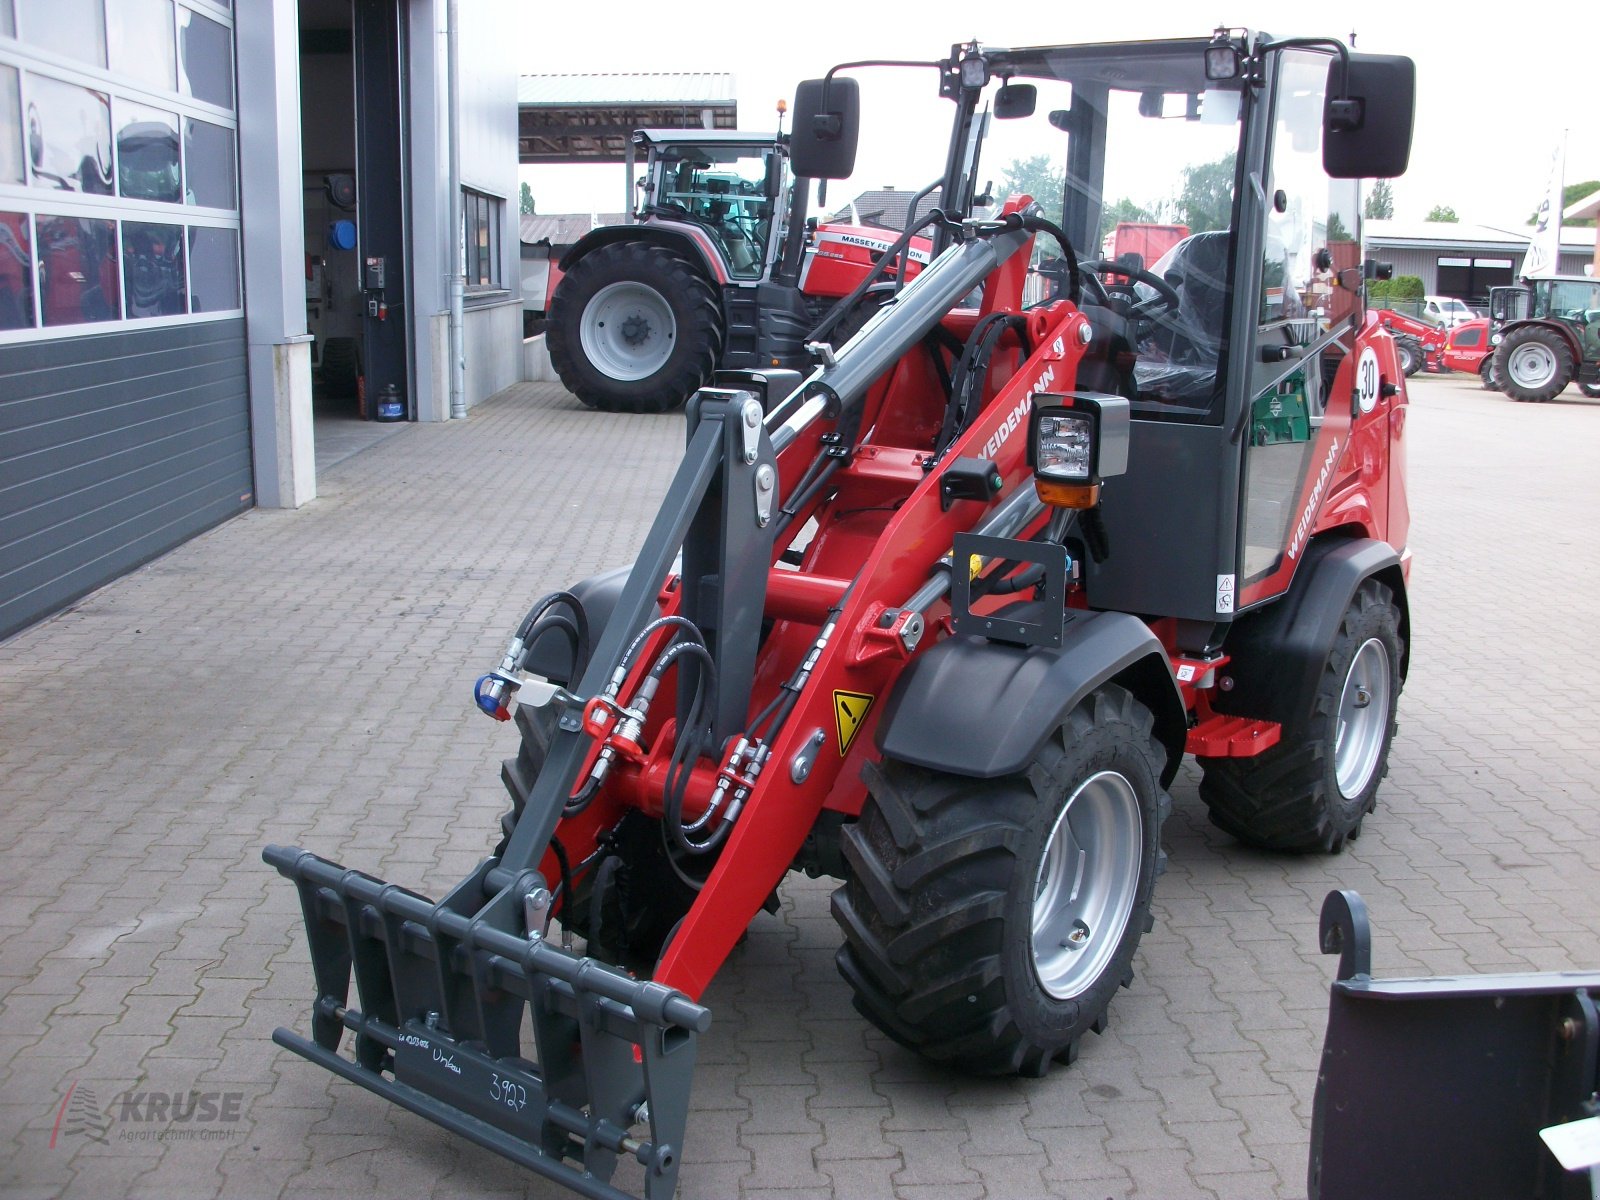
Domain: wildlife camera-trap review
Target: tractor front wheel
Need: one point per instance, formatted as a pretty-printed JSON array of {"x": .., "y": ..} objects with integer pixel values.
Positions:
[
  {"x": 1486, "y": 374},
  {"x": 1409, "y": 351},
  {"x": 1310, "y": 791},
  {"x": 634, "y": 327},
  {"x": 1591, "y": 390},
  {"x": 989, "y": 922},
  {"x": 1534, "y": 364}
]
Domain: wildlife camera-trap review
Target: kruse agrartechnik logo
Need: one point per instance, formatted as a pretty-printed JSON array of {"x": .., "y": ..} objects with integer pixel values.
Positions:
[{"x": 148, "y": 1115}]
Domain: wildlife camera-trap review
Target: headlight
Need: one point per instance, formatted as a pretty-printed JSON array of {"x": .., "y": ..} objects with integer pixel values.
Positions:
[
  {"x": 1494, "y": 340},
  {"x": 1075, "y": 441}
]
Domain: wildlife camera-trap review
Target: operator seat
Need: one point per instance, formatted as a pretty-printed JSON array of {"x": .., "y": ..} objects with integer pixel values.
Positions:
[{"x": 1178, "y": 361}]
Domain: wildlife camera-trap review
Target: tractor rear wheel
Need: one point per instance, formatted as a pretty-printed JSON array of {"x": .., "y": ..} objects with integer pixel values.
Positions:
[
  {"x": 989, "y": 922},
  {"x": 1534, "y": 364},
  {"x": 1310, "y": 792},
  {"x": 634, "y": 327},
  {"x": 627, "y": 902},
  {"x": 1410, "y": 353}
]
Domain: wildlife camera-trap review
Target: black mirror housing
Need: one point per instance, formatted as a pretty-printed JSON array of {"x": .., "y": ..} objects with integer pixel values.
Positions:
[
  {"x": 827, "y": 127},
  {"x": 1366, "y": 123},
  {"x": 1015, "y": 100}
]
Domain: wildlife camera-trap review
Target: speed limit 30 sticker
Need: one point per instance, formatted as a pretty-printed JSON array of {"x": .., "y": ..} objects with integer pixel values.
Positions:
[{"x": 1368, "y": 380}]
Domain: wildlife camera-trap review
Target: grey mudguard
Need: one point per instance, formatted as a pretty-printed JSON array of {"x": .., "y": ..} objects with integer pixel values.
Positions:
[
  {"x": 1279, "y": 651},
  {"x": 982, "y": 709}
]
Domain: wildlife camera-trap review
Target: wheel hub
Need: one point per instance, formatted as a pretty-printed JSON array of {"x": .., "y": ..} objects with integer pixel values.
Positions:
[
  {"x": 1531, "y": 365},
  {"x": 628, "y": 331},
  {"x": 1363, "y": 717},
  {"x": 1088, "y": 878}
]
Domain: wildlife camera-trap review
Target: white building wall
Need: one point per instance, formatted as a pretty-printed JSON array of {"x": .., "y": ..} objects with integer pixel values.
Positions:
[{"x": 488, "y": 119}]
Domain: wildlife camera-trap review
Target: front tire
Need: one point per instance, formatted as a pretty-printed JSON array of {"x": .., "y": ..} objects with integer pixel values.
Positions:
[
  {"x": 1591, "y": 390},
  {"x": 1534, "y": 364},
  {"x": 1410, "y": 354},
  {"x": 1311, "y": 791},
  {"x": 1486, "y": 374},
  {"x": 989, "y": 922},
  {"x": 634, "y": 327}
]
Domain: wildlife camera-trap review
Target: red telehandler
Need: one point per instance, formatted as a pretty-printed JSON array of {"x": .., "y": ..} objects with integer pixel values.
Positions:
[{"x": 939, "y": 619}]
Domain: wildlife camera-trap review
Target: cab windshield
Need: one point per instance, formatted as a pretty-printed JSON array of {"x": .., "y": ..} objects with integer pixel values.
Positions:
[{"x": 723, "y": 188}]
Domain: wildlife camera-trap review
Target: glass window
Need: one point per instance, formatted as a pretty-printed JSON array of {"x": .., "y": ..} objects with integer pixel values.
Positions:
[
  {"x": 152, "y": 269},
  {"x": 725, "y": 189},
  {"x": 16, "y": 272},
  {"x": 208, "y": 158},
  {"x": 213, "y": 270},
  {"x": 73, "y": 28},
  {"x": 205, "y": 59},
  {"x": 10, "y": 126},
  {"x": 147, "y": 153},
  {"x": 69, "y": 136},
  {"x": 140, "y": 37},
  {"x": 8, "y": 23},
  {"x": 482, "y": 240},
  {"x": 78, "y": 270}
]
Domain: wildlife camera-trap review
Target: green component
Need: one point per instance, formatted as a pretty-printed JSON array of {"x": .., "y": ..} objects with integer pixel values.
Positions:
[{"x": 1280, "y": 413}]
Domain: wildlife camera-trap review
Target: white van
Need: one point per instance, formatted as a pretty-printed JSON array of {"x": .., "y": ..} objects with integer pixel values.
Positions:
[{"x": 1446, "y": 311}]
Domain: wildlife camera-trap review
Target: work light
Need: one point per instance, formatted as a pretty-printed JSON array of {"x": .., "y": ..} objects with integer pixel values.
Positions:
[{"x": 1074, "y": 441}]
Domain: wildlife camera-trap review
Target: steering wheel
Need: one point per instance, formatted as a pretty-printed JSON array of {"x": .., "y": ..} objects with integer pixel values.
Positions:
[{"x": 1166, "y": 299}]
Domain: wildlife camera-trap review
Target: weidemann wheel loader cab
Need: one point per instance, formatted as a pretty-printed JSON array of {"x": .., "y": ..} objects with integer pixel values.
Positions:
[{"x": 941, "y": 620}]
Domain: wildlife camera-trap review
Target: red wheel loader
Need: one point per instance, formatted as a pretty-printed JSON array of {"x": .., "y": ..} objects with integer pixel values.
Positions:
[{"x": 939, "y": 619}]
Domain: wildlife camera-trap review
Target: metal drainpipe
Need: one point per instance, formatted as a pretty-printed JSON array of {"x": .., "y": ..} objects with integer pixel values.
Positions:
[{"x": 458, "y": 281}]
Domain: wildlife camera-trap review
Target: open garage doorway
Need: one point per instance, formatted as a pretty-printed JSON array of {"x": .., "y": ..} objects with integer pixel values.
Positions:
[{"x": 357, "y": 266}]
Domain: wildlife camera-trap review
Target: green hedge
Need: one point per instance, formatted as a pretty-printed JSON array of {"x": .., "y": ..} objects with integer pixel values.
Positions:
[{"x": 1401, "y": 287}]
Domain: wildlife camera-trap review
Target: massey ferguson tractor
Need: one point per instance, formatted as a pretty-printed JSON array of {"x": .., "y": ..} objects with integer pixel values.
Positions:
[
  {"x": 717, "y": 271},
  {"x": 1546, "y": 334},
  {"x": 939, "y": 618}
]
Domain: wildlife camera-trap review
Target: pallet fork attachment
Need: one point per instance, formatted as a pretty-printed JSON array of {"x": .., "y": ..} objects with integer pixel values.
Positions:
[
  {"x": 442, "y": 995},
  {"x": 1440, "y": 1086}
]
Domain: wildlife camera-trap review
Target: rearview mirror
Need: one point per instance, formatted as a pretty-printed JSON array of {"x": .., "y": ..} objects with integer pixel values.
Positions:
[
  {"x": 1015, "y": 100},
  {"x": 827, "y": 126},
  {"x": 1366, "y": 124}
]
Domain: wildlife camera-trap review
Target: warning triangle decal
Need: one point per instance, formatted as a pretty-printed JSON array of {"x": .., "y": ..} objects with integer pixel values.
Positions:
[{"x": 849, "y": 711}]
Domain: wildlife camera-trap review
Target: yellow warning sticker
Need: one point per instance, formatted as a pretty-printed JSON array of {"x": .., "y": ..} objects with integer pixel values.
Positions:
[{"x": 849, "y": 711}]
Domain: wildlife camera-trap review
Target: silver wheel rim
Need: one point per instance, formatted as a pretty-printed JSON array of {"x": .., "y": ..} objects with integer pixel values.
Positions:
[
  {"x": 628, "y": 331},
  {"x": 1531, "y": 365},
  {"x": 1363, "y": 718},
  {"x": 1084, "y": 891}
]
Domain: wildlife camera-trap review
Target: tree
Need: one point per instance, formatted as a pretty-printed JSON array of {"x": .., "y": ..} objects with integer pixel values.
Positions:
[
  {"x": 1206, "y": 201},
  {"x": 525, "y": 200},
  {"x": 1114, "y": 214},
  {"x": 1442, "y": 212},
  {"x": 1570, "y": 195},
  {"x": 1039, "y": 177},
  {"x": 1380, "y": 202}
]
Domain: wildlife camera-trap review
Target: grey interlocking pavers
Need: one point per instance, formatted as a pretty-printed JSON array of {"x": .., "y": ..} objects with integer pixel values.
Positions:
[{"x": 303, "y": 678}]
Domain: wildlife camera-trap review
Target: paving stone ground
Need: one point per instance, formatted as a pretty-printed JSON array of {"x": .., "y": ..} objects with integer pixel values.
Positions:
[{"x": 303, "y": 678}]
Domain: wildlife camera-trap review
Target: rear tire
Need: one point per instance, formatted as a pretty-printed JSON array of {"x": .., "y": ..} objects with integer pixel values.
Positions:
[
  {"x": 1533, "y": 364},
  {"x": 1310, "y": 792},
  {"x": 634, "y": 327},
  {"x": 989, "y": 922}
]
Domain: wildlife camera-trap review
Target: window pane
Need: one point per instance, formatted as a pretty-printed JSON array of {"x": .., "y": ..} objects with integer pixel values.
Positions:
[
  {"x": 16, "y": 272},
  {"x": 205, "y": 59},
  {"x": 147, "y": 153},
  {"x": 8, "y": 23},
  {"x": 208, "y": 156},
  {"x": 78, "y": 270},
  {"x": 140, "y": 37},
  {"x": 10, "y": 126},
  {"x": 213, "y": 270},
  {"x": 69, "y": 136},
  {"x": 152, "y": 269},
  {"x": 74, "y": 28}
]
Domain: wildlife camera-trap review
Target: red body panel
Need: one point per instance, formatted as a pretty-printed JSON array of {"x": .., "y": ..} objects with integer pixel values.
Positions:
[{"x": 1467, "y": 346}]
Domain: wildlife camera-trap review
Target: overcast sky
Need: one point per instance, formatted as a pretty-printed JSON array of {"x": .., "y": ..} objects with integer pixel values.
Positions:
[{"x": 1494, "y": 94}]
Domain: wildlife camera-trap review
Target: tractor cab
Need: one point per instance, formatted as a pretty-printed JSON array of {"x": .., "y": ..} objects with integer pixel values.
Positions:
[{"x": 729, "y": 184}]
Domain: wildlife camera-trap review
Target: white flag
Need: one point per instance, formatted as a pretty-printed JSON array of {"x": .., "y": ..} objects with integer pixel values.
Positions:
[{"x": 1544, "y": 250}]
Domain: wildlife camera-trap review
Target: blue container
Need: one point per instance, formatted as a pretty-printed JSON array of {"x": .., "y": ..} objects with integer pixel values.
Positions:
[{"x": 390, "y": 406}]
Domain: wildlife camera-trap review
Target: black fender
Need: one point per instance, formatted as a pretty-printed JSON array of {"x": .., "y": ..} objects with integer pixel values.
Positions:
[
  {"x": 643, "y": 232},
  {"x": 1279, "y": 651},
  {"x": 983, "y": 709},
  {"x": 551, "y": 655}
]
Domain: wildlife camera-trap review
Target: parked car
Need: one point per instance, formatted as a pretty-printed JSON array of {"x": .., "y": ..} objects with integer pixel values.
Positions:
[{"x": 1447, "y": 311}]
